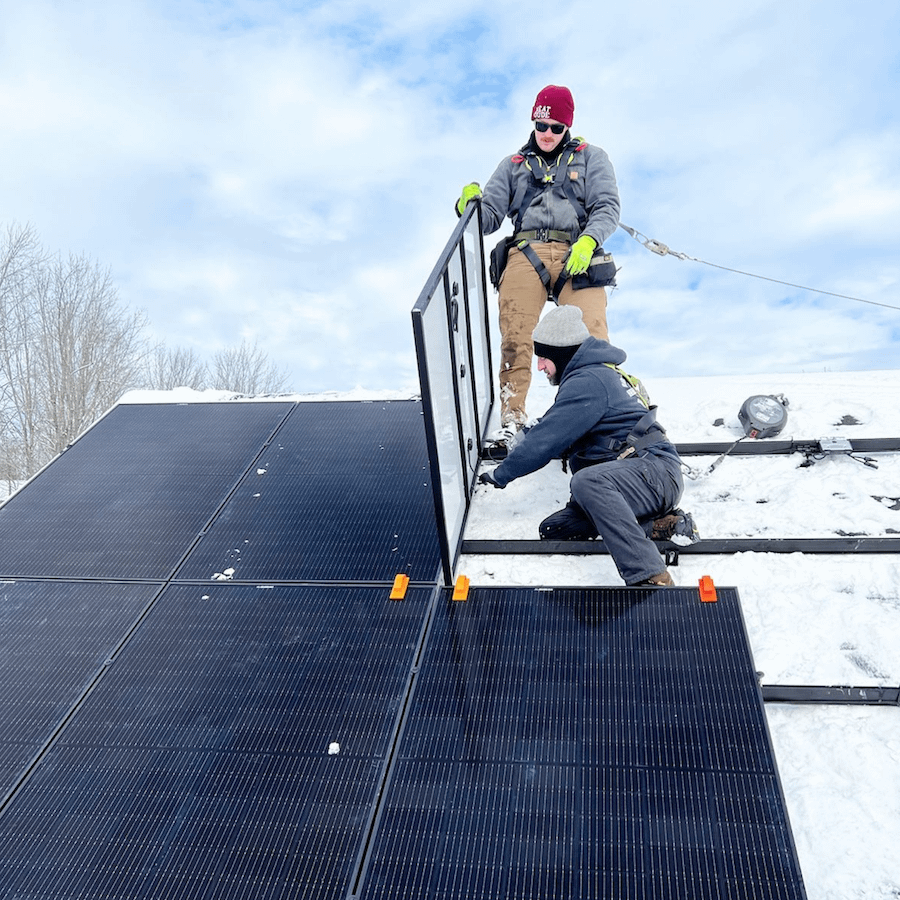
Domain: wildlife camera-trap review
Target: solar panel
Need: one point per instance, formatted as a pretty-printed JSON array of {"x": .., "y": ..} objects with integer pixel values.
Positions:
[
  {"x": 585, "y": 744},
  {"x": 55, "y": 638},
  {"x": 199, "y": 765},
  {"x": 128, "y": 499},
  {"x": 174, "y": 439},
  {"x": 342, "y": 494}
]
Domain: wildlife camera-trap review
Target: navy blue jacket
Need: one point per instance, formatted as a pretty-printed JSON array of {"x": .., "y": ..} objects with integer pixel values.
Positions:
[{"x": 594, "y": 412}]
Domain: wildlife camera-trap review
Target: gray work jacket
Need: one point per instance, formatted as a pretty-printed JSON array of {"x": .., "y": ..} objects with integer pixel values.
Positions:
[{"x": 577, "y": 193}]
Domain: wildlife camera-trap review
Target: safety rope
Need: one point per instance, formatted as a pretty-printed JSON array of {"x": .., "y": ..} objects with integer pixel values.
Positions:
[
  {"x": 662, "y": 250},
  {"x": 694, "y": 474}
]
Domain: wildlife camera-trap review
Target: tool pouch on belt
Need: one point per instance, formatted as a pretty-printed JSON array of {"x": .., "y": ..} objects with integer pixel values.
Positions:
[
  {"x": 600, "y": 273},
  {"x": 499, "y": 256}
]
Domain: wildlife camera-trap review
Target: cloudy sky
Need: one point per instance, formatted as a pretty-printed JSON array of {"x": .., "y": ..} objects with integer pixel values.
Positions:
[{"x": 285, "y": 172}]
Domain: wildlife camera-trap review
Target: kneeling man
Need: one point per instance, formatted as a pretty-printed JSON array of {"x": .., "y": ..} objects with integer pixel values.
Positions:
[{"x": 625, "y": 471}]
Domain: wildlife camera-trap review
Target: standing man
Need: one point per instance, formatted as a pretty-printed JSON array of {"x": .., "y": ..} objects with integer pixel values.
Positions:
[
  {"x": 561, "y": 195},
  {"x": 625, "y": 472}
]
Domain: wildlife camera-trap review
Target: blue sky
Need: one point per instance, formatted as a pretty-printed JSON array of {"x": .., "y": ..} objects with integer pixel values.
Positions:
[{"x": 286, "y": 172}]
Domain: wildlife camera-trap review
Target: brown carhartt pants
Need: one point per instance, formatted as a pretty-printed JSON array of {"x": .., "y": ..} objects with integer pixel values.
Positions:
[{"x": 522, "y": 299}]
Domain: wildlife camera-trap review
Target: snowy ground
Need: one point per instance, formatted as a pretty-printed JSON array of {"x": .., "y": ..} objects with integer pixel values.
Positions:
[{"x": 814, "y": 620}]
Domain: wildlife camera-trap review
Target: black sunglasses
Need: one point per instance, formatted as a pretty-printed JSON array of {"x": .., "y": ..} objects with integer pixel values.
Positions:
[{"x": 557, "y": 128}]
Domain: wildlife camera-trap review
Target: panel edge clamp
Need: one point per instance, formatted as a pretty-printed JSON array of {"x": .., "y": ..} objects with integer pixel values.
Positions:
[
  {"x": 707, "y": 590},
  {"x": 401, "y": 583},
  {"x": 461, "y": 589}
]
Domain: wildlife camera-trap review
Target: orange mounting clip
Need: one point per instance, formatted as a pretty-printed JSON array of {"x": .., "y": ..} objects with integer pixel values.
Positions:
[
  {"x": 707, "y": 590},
  {"x": 401, "y": 583},
  {"x": 461, "y": 590}
]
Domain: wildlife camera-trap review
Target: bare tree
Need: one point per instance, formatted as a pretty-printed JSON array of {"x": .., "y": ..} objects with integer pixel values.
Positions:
[
  {"x": 92, "y": 350},
  {"x": 21, "y": 263},
  {"x": 171, "y": 368},
  {"x": 246, "y": 370},
  {"x": 67, "y": 350}
]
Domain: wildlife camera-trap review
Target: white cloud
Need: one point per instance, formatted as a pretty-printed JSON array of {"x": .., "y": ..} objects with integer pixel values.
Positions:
[{"x": 242, "y": 167}]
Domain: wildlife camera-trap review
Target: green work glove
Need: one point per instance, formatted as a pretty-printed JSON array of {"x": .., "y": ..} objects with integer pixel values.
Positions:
[
  {"x": 469, "y": 192},
  {"x": 580, "y": 255}
]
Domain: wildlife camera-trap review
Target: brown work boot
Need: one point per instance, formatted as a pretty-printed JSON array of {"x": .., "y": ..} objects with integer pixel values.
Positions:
[
  {"x": 677, "y": 527},
  {"x": 664, "y": 579}
]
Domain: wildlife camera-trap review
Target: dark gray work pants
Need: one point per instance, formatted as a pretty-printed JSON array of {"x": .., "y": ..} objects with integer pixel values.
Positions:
[{"x": 622, "y": 498}]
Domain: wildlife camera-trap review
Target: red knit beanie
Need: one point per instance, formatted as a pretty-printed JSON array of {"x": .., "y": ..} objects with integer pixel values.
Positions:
[{"x": 555, "y": 102}]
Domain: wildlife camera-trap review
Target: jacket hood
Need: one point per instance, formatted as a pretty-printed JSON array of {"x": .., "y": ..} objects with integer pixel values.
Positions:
[{"x": 593, "y": 351}]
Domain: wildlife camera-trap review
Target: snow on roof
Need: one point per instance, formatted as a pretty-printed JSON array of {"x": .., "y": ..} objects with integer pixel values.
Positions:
[{"x": 189, "y": 395}]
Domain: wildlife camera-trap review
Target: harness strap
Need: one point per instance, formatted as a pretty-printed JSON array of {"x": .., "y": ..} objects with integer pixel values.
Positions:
[
  {"x": 568, "y": 187},
  {"x": 552, "y": 292},
  {"x": 544, "y": 235},
  {"x": 522, "y": 201},
  {"x": 528, "y": 189},
  {"x": 641, "y": 435},
  {"x": 645, "y": 433}
]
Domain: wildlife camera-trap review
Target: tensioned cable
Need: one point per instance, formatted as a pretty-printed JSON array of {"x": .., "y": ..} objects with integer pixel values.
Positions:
[{"x": 662, "y": 250}]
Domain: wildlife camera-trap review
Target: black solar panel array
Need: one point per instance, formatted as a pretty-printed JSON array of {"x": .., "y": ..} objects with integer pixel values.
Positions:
[{"x": 208, "y": 692}]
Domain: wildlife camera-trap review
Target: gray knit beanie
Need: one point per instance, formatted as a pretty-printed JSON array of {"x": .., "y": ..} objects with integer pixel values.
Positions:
[
  {"x": 561, "y": 327},
  {"x": 558, "y": 336}
]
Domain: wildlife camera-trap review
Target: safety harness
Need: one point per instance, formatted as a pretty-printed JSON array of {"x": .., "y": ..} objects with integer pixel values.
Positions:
[
  {"x": 645, "y": 433},
  {"x": 641, "y": 436},
  {"x": 525, "y": 194}
]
